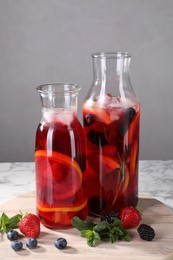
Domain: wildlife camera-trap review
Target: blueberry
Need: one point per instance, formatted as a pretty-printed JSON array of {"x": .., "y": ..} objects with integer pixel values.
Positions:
[
  {"x": 60, "y": 243},
  {"x": 31, "y": 243},
  {"x": 16, "y": 245},
  {"x": 89, "y": 119},
  {"x": 97, "y": 138},
  {"x": 130, "y": 114},
  {"x": 12, "y": 235}
]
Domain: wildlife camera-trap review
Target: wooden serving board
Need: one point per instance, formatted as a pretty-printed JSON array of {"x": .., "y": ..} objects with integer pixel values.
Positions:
[{"x": 156, "y": 214}]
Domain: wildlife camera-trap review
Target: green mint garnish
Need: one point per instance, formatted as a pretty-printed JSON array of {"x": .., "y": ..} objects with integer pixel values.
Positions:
[
  {"x": 82, "y": 225},
  {"x": 101, "y": 231},
  {"x": 7, "y": 223}
]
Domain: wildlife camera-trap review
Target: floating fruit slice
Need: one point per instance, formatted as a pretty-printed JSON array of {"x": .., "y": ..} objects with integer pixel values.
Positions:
[
  {"x": 98, "y": 112},
  {"x": 102, "y": 176},
  {"x": 133, "y": 129},
  {"x": 104, "y": 163},
  {"x": 126, "y": 181},
  {"x": 133, "y": 158},
  {"x": 61, "y": 215},
  {"x": 58, "y": 172},
  {"x": 62, "y": 209}
]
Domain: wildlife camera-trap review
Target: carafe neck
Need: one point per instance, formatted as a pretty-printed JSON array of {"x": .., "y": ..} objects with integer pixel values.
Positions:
[
  {"x": 59, "y": 96},
  {"x": 111, "y": 72}
]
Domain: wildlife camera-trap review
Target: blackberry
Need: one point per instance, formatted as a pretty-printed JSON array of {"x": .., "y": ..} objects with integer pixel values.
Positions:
[
  {"x": 60, "y": 243},
  {"x": 97, "y": 138},
  {"x": 109, "y": 216},
  {"x": 89, "y": 119},
  {"x": 146, "y": 232}
]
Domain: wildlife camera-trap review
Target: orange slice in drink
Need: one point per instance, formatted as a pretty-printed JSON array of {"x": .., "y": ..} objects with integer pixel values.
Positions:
[
  {"x": 59, "y": 173},
  {"x": 126, "y": 181},
  {"x": 99, "y": 112},
  {"x": 134, "y": 158},
  {"x": 103, "y": 176},
  {"x": 62, "y": 215}
]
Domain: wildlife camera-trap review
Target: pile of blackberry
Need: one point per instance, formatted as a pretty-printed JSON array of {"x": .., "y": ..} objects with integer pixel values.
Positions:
[{"x": 110, "y": 216}]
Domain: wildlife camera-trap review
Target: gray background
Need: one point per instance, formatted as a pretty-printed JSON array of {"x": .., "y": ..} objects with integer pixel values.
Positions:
[{"x": 44, "y": 41}]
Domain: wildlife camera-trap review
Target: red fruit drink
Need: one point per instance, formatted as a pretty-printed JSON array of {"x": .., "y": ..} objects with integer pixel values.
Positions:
[
  {"x": 112, "y": 142},
  {"x": 60, "y": 164}
]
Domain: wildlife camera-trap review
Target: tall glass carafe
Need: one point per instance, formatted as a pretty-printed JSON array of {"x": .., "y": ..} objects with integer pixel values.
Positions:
[
  {"x": 60, "y": 157},
  {"x": 111, "y": 114}
]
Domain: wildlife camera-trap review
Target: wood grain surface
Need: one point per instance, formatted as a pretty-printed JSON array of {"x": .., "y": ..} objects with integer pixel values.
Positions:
[{"x": 156, "y": 214}]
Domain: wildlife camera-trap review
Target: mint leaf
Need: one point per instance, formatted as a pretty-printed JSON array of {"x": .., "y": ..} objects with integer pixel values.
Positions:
[
  {"x": 101, "y": 231},
  {"x": 82, "y": 225},
  {"x": 91, "y": 236},
  {"x": 13, "y": 222},
  {"x": 7, "y": 223},
  {"x": 102, "y": 226}
]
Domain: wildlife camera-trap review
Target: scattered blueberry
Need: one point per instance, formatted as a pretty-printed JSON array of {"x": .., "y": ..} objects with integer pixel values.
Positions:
[
  {"x": 31, "y": 243},
  {"x": 16, "y": 245},
  {"x": 60, "y": 243},
  {"x": 89, "y": 119},
  {"x": 12, "y": 235},
  {"x": 97, "y": 138}
]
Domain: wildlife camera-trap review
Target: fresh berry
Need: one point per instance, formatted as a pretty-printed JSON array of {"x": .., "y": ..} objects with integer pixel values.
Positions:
[
  {"x": 146, "y": 232},
  {"x": 97, "y": 138},
  {"x": 60, "y": 243},
  {"x": 130, "y": 217},
  {"x": 30, "y": 226},
  {"x": 31, "y": 243},
  {"x": 130, "y": 114},
  {"x": 16, "y": 245},
  {"x": 109, "y": 216},
  {"x": 89, "y": 119},
  {"x": 12, "y": 235}
]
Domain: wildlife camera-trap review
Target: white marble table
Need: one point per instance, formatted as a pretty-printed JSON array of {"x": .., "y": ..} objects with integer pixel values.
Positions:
[{"x": 155, "y": 179}]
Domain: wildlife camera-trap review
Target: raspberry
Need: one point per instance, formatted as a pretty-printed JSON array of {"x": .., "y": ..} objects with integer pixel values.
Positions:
[
  {"x": 109, "y": 216},
  {"x": 146, "y": 232}
]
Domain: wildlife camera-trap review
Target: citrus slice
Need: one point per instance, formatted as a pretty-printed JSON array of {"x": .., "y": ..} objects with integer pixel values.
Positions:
[
  {"x": 134, "y": 158},
  {"x": 58, "y": 173},
  {"x": 103, "y": 176},
  {"x": 126, "y": 181},
  {"x": 62, "y": 209},
  {"x": 99, "y": 112},
  {"x": 55, "y": 216}
]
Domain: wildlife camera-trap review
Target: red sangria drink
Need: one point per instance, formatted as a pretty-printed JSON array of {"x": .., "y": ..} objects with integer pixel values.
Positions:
[
  {"x": 111, "y": 125},
  {"x": 60, "y": 158}
]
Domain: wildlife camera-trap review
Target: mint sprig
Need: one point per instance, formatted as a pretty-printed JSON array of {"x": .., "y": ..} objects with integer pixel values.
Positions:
[
  {"x": 8, "y": 223},
  {"x": 101, "y": 231}
]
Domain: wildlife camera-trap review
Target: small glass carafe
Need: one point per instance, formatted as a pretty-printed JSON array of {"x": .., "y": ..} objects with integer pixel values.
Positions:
[{"x": 60, "y": 158}]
